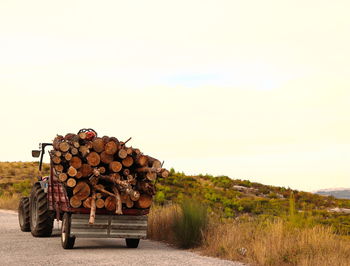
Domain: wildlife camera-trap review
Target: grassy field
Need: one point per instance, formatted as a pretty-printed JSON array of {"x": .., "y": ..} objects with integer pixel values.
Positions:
[
  {"x": 261, "y": 225},
  {"x": 255, "y": 241}
]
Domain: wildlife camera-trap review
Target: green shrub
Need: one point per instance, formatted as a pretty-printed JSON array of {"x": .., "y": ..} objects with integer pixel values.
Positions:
[{"x": 189, "y": 224}]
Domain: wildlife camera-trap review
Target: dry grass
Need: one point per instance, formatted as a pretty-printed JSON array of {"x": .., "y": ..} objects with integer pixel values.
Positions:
[
  {"x": 160, "y": 223},
  {"x": 9, "y": 202},
  {"x": 276, "y": 243},
  {"x": 259, "y": 243}
]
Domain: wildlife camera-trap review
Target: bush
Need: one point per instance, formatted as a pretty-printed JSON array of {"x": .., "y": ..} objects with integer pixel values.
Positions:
[{"x": 189, "y": 224}]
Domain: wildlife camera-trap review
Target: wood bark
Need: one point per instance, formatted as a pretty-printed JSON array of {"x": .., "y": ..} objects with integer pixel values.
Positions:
[
  {"x": 118, "y": 209},
  {"x": 93, "y": 208},
  {"x": 72, "y": 171},
  {"x": 74, "y": 151},
  {"x": 81, "y": 190},
  {"x": 68, "y": 156},
  {"x": 86, "y": 170},
  {"x": 74, "y": 202},
  {"x": 93, "y": 158},
  {"x": 75, "y": 162},
  {"x": 122, "y": 154},
  {"x": 142, "y": 160},
  {"x": 100, "y": 203},
  {"x": 64, "y": 146},
  {"x": 98, "y": 145},
  {"x": 56, "y": 160},
  {"x": 110, "y": 203},
  {"x": 115, "y": 166},
  {"x": 84, "y": 150},
  {"x": 87, "y": 203},
  {"x": 144, "y": 201},
  {"x": 71, "y": 182},
  {"x": 128, "y": 161},
  {"x": 62, "y": 177},
  {"x": 106, "y": 158},
  {"x": 111, "y": 147},
  {"x": 59, "y": 167}
]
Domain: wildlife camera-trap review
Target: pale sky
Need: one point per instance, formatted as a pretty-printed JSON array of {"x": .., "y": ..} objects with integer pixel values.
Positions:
[{"x": 256, "y": 90}]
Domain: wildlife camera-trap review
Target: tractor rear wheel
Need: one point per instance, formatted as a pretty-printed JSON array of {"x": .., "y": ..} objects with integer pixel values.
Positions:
[
  {"x": 132, "y": 242},
  {"x": 23, "y": 214},
  {"x": 67, "y": 240},
  {"x": 41, "y": 219}
]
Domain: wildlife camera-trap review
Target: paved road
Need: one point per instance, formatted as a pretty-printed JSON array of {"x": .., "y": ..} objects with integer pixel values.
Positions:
[{"x": 19, "y": 248}]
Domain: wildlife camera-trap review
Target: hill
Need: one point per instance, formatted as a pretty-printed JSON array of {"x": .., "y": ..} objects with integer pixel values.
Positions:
[
  {"x": 339, "y": 193},
  {"x": 224, "y": 196}
]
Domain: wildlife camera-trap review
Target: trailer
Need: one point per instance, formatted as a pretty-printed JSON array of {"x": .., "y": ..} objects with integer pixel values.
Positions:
[{"x": 49, "y": 201}]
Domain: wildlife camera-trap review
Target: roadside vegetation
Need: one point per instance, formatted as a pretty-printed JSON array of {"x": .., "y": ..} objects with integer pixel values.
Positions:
[{"x": 228, "y": 218}]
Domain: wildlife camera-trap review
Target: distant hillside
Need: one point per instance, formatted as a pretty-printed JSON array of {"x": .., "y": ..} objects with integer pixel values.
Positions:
[
  {"x": 224, "y": 196},
  {"x": 339, "y": 193}
]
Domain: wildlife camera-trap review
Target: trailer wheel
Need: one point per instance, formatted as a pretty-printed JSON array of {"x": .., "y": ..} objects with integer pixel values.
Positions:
[
  {"x": 67, "y": 240},
  {"x": 23, "y": 214},
  {"x": 132, "y": 242},
  {"x": 41, "y": 219}
]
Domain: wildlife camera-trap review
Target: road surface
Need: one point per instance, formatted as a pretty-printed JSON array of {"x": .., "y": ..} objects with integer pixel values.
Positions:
[{"x": 20, "y": 248}]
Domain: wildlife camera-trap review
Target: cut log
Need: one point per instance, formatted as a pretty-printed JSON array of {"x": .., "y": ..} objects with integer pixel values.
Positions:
[
  {"x": 64, "y": 146},
  {"x": 74, "y": 151},
  {"x": 72, "y": 171},
  {"x": 106, "y": 158},
  {"x": 129, "y": 203},
  {"x": 118, "y": 209},
  {"x": 144, "y": 201},
  {"x": 74, "y": 202},
  {"x": 154, "y": 163},
  {"x": 93, "y": 158},
  {"x": 105, "y": 139},
  {"x": 79, "y": 175},
  {"x": 142, "y": 160},
  {"x": 68, "y": 156},
  {"x": 98, "y": 195},
  {"x": 123, "y": 197},
  {"x": 134, "y": 195},
  {"x": 86, "y": 170},
  {"x": 62, "y": 177},
  {"x": 102, "y": 170},
  {"x": 115, "y": 177},
  {"x": 84, "y": 150},
  {"x": 110, "y": 204},
  {"x": 115, "y": 166},
  {"x": 76, "y": 144},
  {"x": 151, "y": 176},
  {"x": 164, "y": 173},
  {"x": 56, "y": 142},
  {"x": 81, "y": 190},
  {"x": 129, "y": 151},
  {"x": 111, "y": 147},
  {"x": 69, "y": 136},
  {"x": 126, "y": 172},
  {"x": 93, "y": 208},
  {"x": 56, "y": 160},
  {"x": 128, "y": 161},
  {"x": 71, "y": 182},
  {"x": 75, "y": 162},
  {"x": 87, "y": 203},
  {"x": 98, "y": 145},
  {"x": 82, "y": 135},
  {"x": 100, "y": 203},
  {"x": 57, "y": 153},
  {"x": 58, "y": 167},
  {"x": 122, "y": 154}
]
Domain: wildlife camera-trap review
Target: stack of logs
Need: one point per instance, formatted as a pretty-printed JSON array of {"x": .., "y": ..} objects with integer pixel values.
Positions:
[{"x": 104, "y": 172}]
